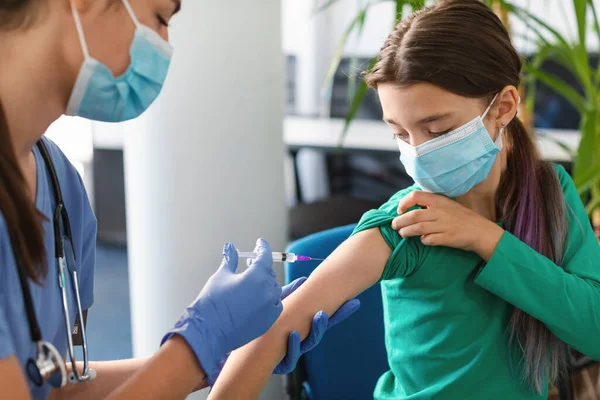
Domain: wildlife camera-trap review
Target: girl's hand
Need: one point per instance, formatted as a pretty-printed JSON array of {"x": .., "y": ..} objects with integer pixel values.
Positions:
[{"x": 444, "y": 222}]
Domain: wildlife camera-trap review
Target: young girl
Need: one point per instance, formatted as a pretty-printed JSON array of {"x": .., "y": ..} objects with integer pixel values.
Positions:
[{"x": 488, "y": 264}]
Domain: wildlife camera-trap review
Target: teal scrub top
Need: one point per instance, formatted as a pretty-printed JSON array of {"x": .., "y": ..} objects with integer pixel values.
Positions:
[
  {"x": 447, "y": 312},
  {"x": 15, "y": 339}
]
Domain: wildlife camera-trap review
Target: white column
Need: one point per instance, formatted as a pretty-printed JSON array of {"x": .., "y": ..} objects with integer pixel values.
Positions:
[{"x": 205, "y": 164}]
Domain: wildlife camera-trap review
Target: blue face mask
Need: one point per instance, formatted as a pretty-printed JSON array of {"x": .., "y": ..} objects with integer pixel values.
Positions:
[
  {"x": 454, "y": 163},
  {"x": 99, "y": 96}
]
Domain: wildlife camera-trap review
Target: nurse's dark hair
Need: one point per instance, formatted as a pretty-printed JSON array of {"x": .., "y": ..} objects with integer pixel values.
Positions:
[
  {"x": 23, "y": 221},
  {"x": 461, "y": 46}
]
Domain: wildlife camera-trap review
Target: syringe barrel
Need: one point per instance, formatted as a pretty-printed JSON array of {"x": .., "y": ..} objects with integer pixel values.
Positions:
[
  {"x": 284, "y": 257},
  {"x": 277, "y": 257}
]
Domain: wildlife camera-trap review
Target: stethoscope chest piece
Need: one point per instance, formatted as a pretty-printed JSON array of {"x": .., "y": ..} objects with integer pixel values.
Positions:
[{"x": 48, "y": 366}]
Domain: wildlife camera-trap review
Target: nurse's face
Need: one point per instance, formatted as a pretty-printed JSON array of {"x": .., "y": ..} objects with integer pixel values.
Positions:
[
  {"x": 109, "y": 29},
  {"x": 422, "y": 111}
]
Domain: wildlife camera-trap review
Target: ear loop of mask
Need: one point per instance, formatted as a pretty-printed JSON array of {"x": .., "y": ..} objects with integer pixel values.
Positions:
[
  {"x": 498, "y": 141},
  {"x": 79, "y": 27},
  {"x": 131, "y": 13},
  {"x": 489, "y": 107}
]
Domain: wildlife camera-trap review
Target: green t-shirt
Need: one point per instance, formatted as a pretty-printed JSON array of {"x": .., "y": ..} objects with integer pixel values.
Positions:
[{"x": 447, "y": 313}]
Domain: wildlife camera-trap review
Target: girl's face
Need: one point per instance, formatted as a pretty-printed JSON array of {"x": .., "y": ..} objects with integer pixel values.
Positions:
[{"x": 420, "y": 112}]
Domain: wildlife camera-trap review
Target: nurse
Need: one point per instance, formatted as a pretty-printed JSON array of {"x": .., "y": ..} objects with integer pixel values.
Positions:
[{"x": 62, "y": 57}]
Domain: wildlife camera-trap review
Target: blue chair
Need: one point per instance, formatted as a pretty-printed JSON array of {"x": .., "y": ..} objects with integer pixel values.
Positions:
[{"x": 351, "y": 357}]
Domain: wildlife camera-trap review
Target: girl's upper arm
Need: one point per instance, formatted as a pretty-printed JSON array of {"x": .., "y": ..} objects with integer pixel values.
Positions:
[{"x": 355, "y": 266}]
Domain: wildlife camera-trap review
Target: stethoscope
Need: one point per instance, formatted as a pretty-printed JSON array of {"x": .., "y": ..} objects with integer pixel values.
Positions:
[{"x": 48, "y": 365}]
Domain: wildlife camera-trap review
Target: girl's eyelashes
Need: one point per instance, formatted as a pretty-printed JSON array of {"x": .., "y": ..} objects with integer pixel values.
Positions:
[
  {"x": 401, "y": 136},
  {"x": 440, "y": 133}
]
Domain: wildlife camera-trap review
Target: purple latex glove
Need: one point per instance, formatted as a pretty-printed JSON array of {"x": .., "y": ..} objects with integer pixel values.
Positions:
[{"x": 296, "y": 348}]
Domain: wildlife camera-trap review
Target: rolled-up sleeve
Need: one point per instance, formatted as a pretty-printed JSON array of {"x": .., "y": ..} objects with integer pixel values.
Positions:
[{"x": 406, "y": 253}]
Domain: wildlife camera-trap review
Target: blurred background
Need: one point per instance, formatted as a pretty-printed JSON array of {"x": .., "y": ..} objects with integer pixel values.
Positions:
[{"x": 244, "y": 142}]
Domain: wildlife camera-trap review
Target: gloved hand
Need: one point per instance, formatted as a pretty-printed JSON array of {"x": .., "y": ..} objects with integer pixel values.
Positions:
[
  {"x": 232, "y": 309},
  {"x": 321, "y": 322}
]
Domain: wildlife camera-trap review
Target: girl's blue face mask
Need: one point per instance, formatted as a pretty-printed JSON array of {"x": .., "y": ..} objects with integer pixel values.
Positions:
[
  {"x": 454, "y": 163},
  {"x": 99, "y": 96}
]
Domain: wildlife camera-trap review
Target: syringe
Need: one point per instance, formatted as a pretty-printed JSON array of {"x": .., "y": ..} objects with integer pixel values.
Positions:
[{"x": 280, "y": 257}]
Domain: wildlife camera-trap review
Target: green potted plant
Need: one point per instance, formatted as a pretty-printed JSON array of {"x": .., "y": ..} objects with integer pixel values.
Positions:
[{"x": 573, "y": 56}]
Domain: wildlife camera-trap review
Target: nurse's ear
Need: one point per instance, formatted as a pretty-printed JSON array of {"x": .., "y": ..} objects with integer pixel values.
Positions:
[{"x": 506, "y": 107}]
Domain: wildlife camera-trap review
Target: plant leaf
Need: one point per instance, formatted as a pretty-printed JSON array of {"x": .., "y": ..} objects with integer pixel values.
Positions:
[
  {"x": 580, "y": 49},
  {"x": 581, "y": 13},
  {"x": 559, "y": 86},
  {"x": 585, "y": 180},
  {"x": 357, "y": 23},
  {"x": 563, "y": 52},
  {"x": 586, "y": 153},
  {"x": 573, "y": 57},
  {"x": 399, "y": 8},
  {"x": 597, "y": 30},
  {"x": 544, "y": 53},
  {"x": 417, "y": 4},
  {"x": 527, "y": 17},
  {"x": 352, "y": 74},
  {"x": 356, "y": 102},
  {"x": 565, "y": 20},
  {"x": 534, "y": 28},
  {"x": 592, "y": 205},
  {"x": 320, "y": 8}
]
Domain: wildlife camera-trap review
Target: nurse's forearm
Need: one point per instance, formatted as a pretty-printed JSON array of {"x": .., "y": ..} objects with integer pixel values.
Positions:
[
  {"x": 348, "y": 271},
  {"x": 172, "y": 373},
  {"x": 109, "y": 376}
]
